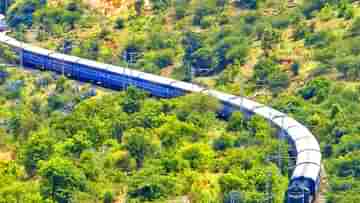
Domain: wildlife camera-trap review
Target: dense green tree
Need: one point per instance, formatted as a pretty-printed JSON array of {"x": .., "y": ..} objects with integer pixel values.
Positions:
[
  {"x": 196, "y": 103},
  {"x": 147, "y": 186},
  {"x": 199, "y": 156},
  {"x": 38, "y": 147},
  {"x": 119, "y": 23},
  {"x": 60, "y": 178},
  {"x": 222, "y": 143},
  {"x": 317, "y": 88},
  {"x": 250, "y": 4},
  {"x": 138, "y": 142},
  {"x": 133, "y": 99},
  {"x": 236, "y": 122},
  {"x": 108, "y": 197}
]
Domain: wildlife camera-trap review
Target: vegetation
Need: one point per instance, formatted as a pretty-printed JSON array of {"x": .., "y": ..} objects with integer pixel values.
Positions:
[
  {"x": 127, "y": 145},
  {"x": 300, "y": 57}
]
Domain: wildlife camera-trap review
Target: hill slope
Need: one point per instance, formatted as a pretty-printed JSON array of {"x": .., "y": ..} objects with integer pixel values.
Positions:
[{"x": 298, "y": 56}]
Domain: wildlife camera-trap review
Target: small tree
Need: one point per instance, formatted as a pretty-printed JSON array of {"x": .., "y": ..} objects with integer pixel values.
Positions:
[
  {"x": 39, "y": 147},
  {"x": 60, "y": 178},
  {"x": 236, "y": 122},
  {"x": 249, "y": 4},
  {"x": 139, "y": 144},
  {"x": 108, "y": 197},
  {"x": 295, "y": 67},
  {"x": 119, "y": 23},
  {"x": 133, "y": 100}
]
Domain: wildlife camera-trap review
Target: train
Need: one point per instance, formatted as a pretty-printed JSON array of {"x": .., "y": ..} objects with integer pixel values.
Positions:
[
  {"x": 304, "y": 182},
  {"x": 3, "y": 25}
]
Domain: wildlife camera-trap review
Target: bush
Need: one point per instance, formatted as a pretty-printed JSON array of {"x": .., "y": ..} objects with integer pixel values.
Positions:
[
  {"x": 301, "y": 30},
  {"x": 108, "y": 197},
  {"x": 180, "y": 9},
  {"x": 249, "y": 4},
  {"x": 278, "y": 80},
  {"x": 355, "y": 27},
  {"x": 236, "y": 122},
  {"x": 207, "y": 7},
  {"x": 295, "y": 67},
  {"x": 318, "y": 39},
  {"x": 281, "y": 21},
  {"x": 160, "y": 4},
  {"x": 318, "y": 88},
  {"x": 222, "y": 143},
  {"x": 22, "y": 13},
  {"x": 119, "y": 23},
  {"x": 309, "y": 7}
]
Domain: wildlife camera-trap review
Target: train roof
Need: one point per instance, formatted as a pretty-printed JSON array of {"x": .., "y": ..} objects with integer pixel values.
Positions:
[
  {"x": 307, "y": 143},
  {"x": 307, "y": 170},
  {"x": 308, "y": 157},
  {"x": 298, "y": 132}
]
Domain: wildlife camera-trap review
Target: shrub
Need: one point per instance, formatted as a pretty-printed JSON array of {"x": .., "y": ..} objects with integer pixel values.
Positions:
[
  {"x": 318, "y": 88},
  {"x": 249, "y": 4},
  {"x": 318, "y": 39},
  {"x": 309, "y": 7},
  {"x": 355, "y": 28},
  {"x": 236, "y": 122},
  {"x": 160, "y": 4},
  {"x": 295, "y": 67},
  {"x": 207, "y": 7},
  {"x": 180, "y": 9},
  {"x": 22, "y": 13},
  {"x": 222, "y": 143},
  {"x": 119, "y": 23},
  {"x": 108, "y": 197}
]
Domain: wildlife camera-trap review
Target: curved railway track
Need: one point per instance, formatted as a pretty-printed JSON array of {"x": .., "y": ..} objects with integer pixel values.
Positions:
[{"x": 305, "y": 180}]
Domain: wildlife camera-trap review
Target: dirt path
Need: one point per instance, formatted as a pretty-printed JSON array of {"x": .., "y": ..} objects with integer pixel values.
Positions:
[
  {"x": 167, "y": 71},
  {"x": 323, "y": 186}
]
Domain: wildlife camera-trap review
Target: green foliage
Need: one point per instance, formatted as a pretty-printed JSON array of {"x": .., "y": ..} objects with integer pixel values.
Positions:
[
  {"x": 60, "y": 178},
  {"x": 318, "y": 88},
  {"x": 236, "y": 122},
  {"x": 196, "y": 103},
  {"x": 182, "y": 140},
  {"x": 147, "y": 186},
  {"x": 160, "y": 4},
  {"x": 203, "y": 9},
  {"x": 198, "y": 156},
  {"x": 139, "y": 144},
  {"x": 318, "y": 39},
  {"x": 174, "y": 131},
  {"x": 250, "y": 4},
  {"x": 222, "y": 143},
  {"x": 312, "y": 6},
  {"x": 268, "y": 73},
  {"x": 180, "y": 8},
  {"x": 108, "y": 197},
  {"x": 295, "y": 68},
  {"x": 38, "y": 147},
  {"x": 21, "y": 13},
  {"x": 119, "y": 23},
  {"x": 133, "y": 100},
  {"x": 160, "y": 150},
  {"x": 355, "y": 28}
]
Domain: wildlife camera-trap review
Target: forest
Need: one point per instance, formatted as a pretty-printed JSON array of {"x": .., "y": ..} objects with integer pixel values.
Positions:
[{"x": 65, "y": 141}]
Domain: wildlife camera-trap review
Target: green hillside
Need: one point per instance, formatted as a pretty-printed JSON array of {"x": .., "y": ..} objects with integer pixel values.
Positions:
[{"x": 301, "y": 57}]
